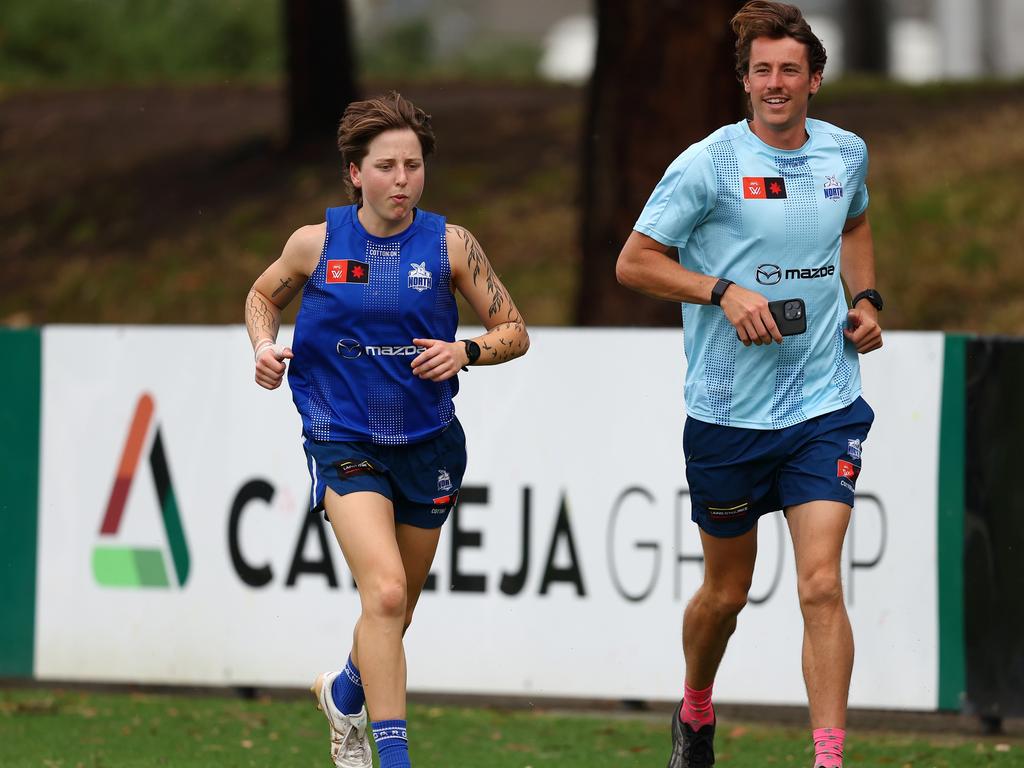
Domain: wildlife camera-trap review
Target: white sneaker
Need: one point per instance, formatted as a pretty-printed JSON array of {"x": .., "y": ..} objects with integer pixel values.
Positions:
[{"x": 350, "y": 745}]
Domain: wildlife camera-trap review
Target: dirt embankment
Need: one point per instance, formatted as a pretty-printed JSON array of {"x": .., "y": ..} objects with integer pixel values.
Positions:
[{"x": 161, "y": 204}]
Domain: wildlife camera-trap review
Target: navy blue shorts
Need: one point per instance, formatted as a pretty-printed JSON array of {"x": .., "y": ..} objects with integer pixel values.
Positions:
[
  {"x": 736, "y": 475},
  {"x": 422, "y": 480}
]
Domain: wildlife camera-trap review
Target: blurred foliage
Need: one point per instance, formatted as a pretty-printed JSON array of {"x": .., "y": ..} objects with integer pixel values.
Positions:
[
  {"x": 90, "y": 41},
  {"x": 404, "y": 48},
  {"x": 80, "y": 42},
  {"x": 408, "y": 51},
  {"x": 872, "y": 87}
]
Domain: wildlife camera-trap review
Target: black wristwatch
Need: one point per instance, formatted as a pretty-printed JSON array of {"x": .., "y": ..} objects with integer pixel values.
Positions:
[
  {"x": 871, "y": 295},
  {"x": 472, "y": 352},
  {"x": 719, "y": 290}
]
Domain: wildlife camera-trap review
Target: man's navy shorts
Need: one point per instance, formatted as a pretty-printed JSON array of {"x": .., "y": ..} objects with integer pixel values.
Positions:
[
  {"x": 736, "y": 475},
  {"x": 422, "y": 480}
]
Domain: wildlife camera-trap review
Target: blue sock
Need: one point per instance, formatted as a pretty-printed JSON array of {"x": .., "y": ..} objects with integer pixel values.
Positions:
[
  {"x": 347, "y": 690},
  {"x": 392, "y": 743}
]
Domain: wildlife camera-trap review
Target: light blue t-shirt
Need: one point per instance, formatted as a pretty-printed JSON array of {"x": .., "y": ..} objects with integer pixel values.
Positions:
[{"x": 770, "y": 220}]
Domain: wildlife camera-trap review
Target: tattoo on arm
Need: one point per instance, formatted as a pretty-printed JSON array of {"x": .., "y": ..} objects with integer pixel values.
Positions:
[
  {"x": 261, "y": 322},
  {"x": 504, "y": 349},
  {"x": 478, "y": 263},
  {"x": 285, "y": 284}
]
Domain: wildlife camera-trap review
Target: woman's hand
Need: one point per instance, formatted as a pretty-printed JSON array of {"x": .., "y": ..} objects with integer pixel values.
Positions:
[
  {"x": 270, "y": 365},
  {"x": 440, "y": 360}
]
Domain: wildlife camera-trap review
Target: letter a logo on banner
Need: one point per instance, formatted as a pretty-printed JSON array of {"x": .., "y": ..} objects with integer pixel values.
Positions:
[{"x": 120, "y": 566}]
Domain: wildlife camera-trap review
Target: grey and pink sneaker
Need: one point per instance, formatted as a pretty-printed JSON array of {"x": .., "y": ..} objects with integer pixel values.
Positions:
[{"x": 690, "y": 748}]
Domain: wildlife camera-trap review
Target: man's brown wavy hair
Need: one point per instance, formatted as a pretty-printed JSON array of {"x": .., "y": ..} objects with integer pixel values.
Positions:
[{"x": 763, "y": 18}]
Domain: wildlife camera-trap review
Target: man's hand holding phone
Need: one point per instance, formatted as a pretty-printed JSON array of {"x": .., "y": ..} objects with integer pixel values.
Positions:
[{"x": 750, "y": 315}]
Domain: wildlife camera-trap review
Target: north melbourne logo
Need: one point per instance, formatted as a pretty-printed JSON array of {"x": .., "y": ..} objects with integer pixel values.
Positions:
[
  {"x": 444, "y": 480},
  {"x": 122, "y": 566},
  {"x": 833, "y": 189},
  {"x": 420, "y": 278}
]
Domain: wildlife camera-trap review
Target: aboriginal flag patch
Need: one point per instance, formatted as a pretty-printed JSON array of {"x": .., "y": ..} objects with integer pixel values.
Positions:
[
  {"x": 347, "y": 271},
  {"x": 764, "y": 187}
]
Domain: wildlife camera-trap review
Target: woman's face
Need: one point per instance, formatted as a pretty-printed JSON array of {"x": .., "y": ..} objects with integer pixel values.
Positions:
[{"x": 391, "y": 178}]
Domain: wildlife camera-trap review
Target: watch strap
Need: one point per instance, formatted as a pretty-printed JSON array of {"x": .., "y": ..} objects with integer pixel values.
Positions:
[
  {"x": 871, "y": 295},
  {"x": 472, "y": 352},
  {"x": 718, "y": 291}
]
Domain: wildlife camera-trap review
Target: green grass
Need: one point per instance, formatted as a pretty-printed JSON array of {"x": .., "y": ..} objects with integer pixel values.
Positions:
[{"x": 58, "y": 729}]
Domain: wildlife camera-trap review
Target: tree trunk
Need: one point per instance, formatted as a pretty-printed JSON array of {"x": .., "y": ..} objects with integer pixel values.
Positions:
[
  {"x": 320, "y": 64},
  {"x": 664, "y": 77},
  {"x": 866, "y": 28}
]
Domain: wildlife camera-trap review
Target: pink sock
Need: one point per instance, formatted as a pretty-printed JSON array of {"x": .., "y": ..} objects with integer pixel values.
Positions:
[
  {"x": 828, "y": 747},
  {"x": 697, "y": 711}
]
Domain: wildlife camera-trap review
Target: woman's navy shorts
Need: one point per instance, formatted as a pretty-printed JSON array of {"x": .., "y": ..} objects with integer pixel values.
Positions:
[{"x": 422, "y": 480}]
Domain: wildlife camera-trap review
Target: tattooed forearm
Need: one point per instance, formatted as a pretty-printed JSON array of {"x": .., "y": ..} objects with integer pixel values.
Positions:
[
  {"x": 262, "y": 320},
  {"x": 285, "y": 284},
  {"x": 503, "y": 343}
]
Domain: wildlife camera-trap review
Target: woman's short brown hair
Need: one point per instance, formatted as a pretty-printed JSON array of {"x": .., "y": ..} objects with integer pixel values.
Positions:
[
  {"x": 763, "y": 18},
  {"x": 364, "y": 120}
]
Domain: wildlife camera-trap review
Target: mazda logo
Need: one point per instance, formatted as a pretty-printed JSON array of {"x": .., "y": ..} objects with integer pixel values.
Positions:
[
  {"x": 769, "y": 274},
  {"x": 350, "y": 349}
]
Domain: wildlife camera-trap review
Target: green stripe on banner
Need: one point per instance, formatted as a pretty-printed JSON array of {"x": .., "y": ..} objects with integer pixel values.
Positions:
[
  {"x": 114, "y": 566},
  {"x": 129, "y": 567},
  {"x": 149, "y": 564},
  {"x": 19, "y": 501},
  {"x": 952, "y": 455}
]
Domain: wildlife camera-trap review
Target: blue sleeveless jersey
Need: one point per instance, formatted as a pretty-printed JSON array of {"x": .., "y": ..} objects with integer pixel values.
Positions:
[
  {"x": 770, "y": 220},
  {"x": 368, "y": 298}
]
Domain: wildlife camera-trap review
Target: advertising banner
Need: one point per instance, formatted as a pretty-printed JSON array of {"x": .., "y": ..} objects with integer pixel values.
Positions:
[{"x": 175, "y": 545}]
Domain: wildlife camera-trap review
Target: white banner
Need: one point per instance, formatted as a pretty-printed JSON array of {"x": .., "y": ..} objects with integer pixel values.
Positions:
[{"x": 175, "y": 547}]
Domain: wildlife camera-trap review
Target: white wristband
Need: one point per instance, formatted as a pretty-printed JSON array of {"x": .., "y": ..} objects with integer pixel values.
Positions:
[{"x": 262, "y": 346}]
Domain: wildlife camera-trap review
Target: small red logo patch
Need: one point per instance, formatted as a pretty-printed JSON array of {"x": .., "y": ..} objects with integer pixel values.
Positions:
[
  {"x": 753, "y": 188},
  {"x": 764, "y": 188},
  {"x": 347, "y": 271},
  {"x": 848, "y": 470},
  {"x": 446, "y": 500}
]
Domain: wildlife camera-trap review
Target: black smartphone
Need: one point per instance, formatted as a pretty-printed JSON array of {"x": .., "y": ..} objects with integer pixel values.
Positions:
[{"x": 790, "y": 316}]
